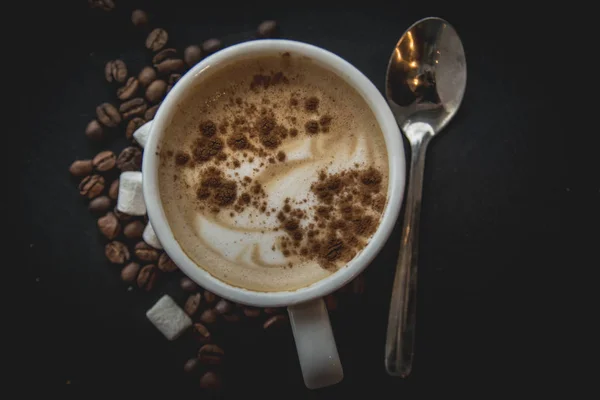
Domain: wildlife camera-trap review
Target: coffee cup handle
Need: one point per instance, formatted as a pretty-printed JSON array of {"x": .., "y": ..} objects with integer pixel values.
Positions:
[{"x": 317, "y": 351}]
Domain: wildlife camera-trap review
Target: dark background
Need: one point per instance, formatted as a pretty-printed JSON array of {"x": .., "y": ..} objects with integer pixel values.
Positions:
[{"x": 492, "y": 217}]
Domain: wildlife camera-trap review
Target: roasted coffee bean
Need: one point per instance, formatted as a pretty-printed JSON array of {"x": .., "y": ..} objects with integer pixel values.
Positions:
[
  {"x": 192, "y": 304},
  {"x": 115, "y": 70},
  {"x": 130, "y": 159},
  {"x": 147, "y": 277},
  {"x": 129, "y": 90},
  {"x": 251, "y": 312},
  {"x": 133, "y": 126},
  {"x": 105, "y": 5},
  {"x": 331, "y": 302},
  {"x": 139, "y": 18},
  {"x": 201, "y": 333},
  {"x": 113, "y": 191},
  {"x": 145, "y": 252},
  {"x": 91, "y": 186},
  {"x": 81, "y": 168},
  {"x": 130, "y": 272},
  {"x": 174, "y": 78},
  {"x": 190, "y": 365},
  {"x": 231, "y": 317},
  {"x": 94, "y": 130},
  {"x": 151, "y": 112},
  {"x": 210, "y": 381},
  {"x": 123, "y": 217},
  {"x": 192, "y": 55},
  {"x": 188, "y": 285},
  {"x": 147, "y": 76},
  {"x": 223, "y": 307},
  {"x": 267, "y": 29},
  {"x": 109, "y": 226},
  {"x": 271, "y": 311},
  {"x": 156, "y": 91},
  {"x": 170, "y": 65},
  {"x": 165, "y": 263},
  {"x": 209, "y": 316},
  {"x": 275, "y": 322},
  {"x": 133, "y": 107},
  {"x": 209, "y": 297},
  {"x": 100, "y": 205},
  {"x": 134, "y": 230},
  {"x": 157, "y": 39},
  {"x": 211, "y": 354},
  {"x": 108, "y": 115},
  {"x": 117, "y": 252},
  {"x": 210, "y": 46},
  {"x": 104, "y": 161},
  {"x": 163, "y": 55}
]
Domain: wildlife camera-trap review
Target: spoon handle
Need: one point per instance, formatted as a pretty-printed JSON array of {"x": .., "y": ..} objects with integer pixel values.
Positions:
[{"x": 399, "y": 346}]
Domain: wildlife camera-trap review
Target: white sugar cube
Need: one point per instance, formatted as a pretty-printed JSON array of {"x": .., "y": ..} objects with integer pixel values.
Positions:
[
  {"x": 150, "y": 237},
  {"x": 131, "y": 197},
  {"x": 169, "y": 318},
  {"x": 142, "y": 133}
]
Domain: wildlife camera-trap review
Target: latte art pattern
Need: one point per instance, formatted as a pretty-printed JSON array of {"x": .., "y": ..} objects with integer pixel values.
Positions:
[{"x": 244, "y": 164}]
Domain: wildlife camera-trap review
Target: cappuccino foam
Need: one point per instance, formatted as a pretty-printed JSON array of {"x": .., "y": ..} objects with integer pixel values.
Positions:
[{"x": 273, "y": 174}]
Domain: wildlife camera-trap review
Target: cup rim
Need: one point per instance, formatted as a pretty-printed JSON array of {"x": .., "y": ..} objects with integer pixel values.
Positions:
[{"x": 396, "y": 175}]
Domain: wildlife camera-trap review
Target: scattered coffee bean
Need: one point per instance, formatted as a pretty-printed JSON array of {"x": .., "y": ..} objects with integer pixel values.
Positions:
[
  {"x": 129, "y": 90},
  {"x": 117, "y": 252},
  {"x": 157, "y": 39},
  {"x": 91, "y": 186},
  {"x": 163, "y": 55},
  {"x": 271, "y": 310},
  {"x": 275, "y": 322},
  {"x": 174, "y": 78},
  {"x": 231, "y": 317},
  {"x": 105, "y": 5},
  {"x": 251, "y": 312},
  {"x": 115, "y": 70},
  {"x": 210, "y": 46},
  {"x": 268, "y": 29},
  {"x": 109, "y": 226},
  {"x": 165, "y": 264},
  {"x": 156, "y": 91},
  {"x": 188, "y": 285},
  {"x": 108, "y": 115},
  {"x": 94, "y": 130},
  {"x": 223, "y": 307},
  {"x": 147, "y": 76},
  {"x": 134, "y": 230},
  {"x": 147, "y": 277},
  {"x": 211, "y": 354},
  {"x": 358, "y": 285},
  {"x": 134, "y": 107},
  {"x": 331, "y": 302},
  {"x": 123, "y": 217},
  {"x": 139, "y": 18},
  {"x": 130, "y": 272},
  {"x": 145, "y": 252},
  {"x": 190, "y": 365},
  {"x": 201, "y": 333},
  {"x": 192, "y": 304},
  {"x": 113, "y": 191},
  {"x": 100, "y": 205},
  {"x": 133, "y": 126},
  {"x": 104, "y": 161},
  {"x": 81, "y": 168},
  {"x": 130, "y": 159},
  {"x": 151, "y": 112},
  {"x": 210, "y": 297},
  {"x": 192, "y": 55},
  {"x": 209, "y": 316},
  {"x": 170, "y": 65},
  {"x": 210, "y": 381}
]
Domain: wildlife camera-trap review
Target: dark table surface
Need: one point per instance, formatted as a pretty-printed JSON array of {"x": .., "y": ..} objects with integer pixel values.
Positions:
[{"x": 490, "y": 217}]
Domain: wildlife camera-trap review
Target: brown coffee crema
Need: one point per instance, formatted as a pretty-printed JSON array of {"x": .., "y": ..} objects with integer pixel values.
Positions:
[{"x": 273, "y": 173}]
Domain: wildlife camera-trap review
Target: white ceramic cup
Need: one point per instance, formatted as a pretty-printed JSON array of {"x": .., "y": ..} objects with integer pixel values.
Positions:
[{"x": 316, "y": 346}]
